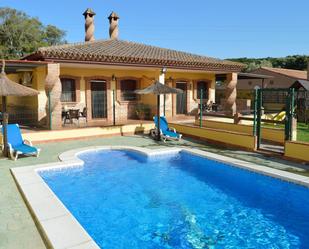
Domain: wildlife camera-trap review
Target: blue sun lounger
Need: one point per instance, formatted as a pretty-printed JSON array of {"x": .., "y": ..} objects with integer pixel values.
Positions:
[
  {"x": 167, "y": 133},
  {"x": 18, "y": 146}
]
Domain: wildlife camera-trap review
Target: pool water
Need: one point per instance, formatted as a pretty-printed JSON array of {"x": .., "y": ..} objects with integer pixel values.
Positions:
[{"x": 124, "y": 199}]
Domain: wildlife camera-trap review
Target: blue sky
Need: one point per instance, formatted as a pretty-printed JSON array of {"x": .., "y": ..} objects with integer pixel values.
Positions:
[{"x": 220, "y": 28}]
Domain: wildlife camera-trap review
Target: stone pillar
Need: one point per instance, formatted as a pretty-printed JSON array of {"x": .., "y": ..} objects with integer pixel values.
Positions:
[
  {"x": 53, "y": 91},
  {"x": 113, "y": 26},
  {"x": 212, "y": 92},
  {"x": 89, "y": 24},
  {"x": 294, "y": 129},
  {"x": 231, "y": 93}
]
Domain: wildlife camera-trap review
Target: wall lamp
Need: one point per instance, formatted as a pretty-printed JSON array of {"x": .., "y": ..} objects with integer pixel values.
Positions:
[
  {"x": 164, "y": 70},
  {"x": 113, "y": 77}
]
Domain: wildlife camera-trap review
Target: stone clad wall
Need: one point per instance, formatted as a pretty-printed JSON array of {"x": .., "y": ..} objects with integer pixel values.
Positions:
[{"x": 53, "y": 90}]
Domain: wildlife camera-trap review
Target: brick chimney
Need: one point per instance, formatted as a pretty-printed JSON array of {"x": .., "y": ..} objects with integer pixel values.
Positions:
[
  {"x": 89, "y": 24},
  {"x": 113, "y": 26}
]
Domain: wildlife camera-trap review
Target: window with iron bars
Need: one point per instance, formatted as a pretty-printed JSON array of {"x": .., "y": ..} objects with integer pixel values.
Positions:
[
  {"x": 202, "y": 85},
  {"x": 68, "y": 93},
  {"x": 128, "y": 88}
]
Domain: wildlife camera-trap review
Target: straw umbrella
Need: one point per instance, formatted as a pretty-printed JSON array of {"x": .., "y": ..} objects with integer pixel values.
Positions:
[
  {"x": 10, "y": 88},
  {"x": 158, "y": 89}
]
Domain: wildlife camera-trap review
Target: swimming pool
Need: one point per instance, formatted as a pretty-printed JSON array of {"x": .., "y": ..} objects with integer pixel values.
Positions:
[{"x": 125, "y": 199}]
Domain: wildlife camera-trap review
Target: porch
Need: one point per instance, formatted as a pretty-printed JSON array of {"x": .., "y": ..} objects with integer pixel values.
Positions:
[{"x": 84, "y": 95}]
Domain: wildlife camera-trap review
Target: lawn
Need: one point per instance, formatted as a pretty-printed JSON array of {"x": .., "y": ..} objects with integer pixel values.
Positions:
[{"x": 303, "y": 132}]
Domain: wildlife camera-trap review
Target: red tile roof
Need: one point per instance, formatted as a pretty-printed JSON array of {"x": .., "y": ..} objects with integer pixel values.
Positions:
[
  {"x": 129, "y": 53},
  {"x": 297, "y": 74}
]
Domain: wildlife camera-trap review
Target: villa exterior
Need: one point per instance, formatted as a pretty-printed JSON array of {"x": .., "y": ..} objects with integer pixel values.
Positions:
[
  {"x": 92, "y": 74},
  {"x": 281, "y": 78}
]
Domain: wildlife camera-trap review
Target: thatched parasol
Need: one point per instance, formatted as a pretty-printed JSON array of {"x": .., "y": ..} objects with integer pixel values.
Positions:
[
  {"x": 10, "y": 88},
  {"x": 158, "y": 88}
]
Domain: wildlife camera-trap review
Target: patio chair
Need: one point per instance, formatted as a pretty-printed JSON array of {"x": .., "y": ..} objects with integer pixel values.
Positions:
[
  {"x": 83, "y": 114},
  {"x": 167, "y": 133},
  {"x": 18, "y": 146},
  {"x": 72, "y": 114}
]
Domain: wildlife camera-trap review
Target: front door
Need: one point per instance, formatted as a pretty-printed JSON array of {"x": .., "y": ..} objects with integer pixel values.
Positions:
[
  {"x": 181, "y": 98},
  {"x": 98, "y": 99}
]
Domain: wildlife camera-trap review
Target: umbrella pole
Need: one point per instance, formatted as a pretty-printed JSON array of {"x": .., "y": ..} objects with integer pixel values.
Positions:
[
  {"x": 5, "y": 122},
  {"x": 158, "y": 115}
]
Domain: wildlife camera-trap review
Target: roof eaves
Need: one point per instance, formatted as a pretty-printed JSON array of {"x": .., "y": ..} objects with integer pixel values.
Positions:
[
  {"x": 284, "y": 74},
  {"x": 154, "y": 64}
]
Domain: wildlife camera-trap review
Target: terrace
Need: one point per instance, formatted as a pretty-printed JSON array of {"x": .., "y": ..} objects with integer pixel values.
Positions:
[{"x": 17, "y": 226}]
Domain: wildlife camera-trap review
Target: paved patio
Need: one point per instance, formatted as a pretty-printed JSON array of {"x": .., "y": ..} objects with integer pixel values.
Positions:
[{"x": 17, "y": 229}]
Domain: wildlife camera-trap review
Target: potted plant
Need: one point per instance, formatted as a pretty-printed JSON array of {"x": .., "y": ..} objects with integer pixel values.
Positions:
[{"x": 142, "y": 111}]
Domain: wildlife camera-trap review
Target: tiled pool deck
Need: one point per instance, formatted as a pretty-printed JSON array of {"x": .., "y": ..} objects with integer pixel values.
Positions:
[{"x": 17, "y": 229}]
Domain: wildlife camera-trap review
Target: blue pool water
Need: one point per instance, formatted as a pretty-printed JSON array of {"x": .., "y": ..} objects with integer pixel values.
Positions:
[{"x": 126, "y": 200}]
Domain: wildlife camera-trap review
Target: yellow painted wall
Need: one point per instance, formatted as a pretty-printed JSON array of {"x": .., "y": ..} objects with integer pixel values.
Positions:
[
  {"x": 29, "y": 108},
  {"x": 232, "y": 138},
  {"x": 40, "y": 136},
  {"x": 297, "y": 150},
  {"x": 38, "y": 103},
  {"x": 87, "y": 72},
  {"x": 25, "y": 102},
  {"x": 40, "y": 75},
  {"x": 149, "y": 77},
  {"x": 275, "y": 135}
]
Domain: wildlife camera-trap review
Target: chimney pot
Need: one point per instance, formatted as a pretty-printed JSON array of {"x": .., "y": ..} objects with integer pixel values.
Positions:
[
  {"x": 89, "y": 24},
  {"x": 113, "y": 26}
]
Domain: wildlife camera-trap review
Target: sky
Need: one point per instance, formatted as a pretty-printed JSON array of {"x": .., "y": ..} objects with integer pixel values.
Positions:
[{"x": 217, "y": 28}]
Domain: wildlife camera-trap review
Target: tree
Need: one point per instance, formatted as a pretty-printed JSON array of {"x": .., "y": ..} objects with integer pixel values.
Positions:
[
  {"x": 21, "y": 34},
  {"x": 53, "y": 35},
  {"x": 297, "y": 62}
]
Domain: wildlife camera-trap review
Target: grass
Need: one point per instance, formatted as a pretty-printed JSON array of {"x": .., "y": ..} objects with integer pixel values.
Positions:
[{"x": 302, "y": 130}]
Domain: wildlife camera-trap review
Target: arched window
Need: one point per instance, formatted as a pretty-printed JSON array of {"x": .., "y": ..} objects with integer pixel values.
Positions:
[
  {"x": 202, "y": 85},
  {"x": 127, "y": 88},
  {"x": 68, "y": 93}
]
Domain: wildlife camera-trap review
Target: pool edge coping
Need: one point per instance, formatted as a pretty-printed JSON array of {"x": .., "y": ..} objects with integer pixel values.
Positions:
[{"x": 60, "y": 229}]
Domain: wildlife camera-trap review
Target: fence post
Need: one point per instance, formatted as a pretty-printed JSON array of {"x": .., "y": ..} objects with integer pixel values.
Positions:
[
  {"x": 164, "y": 98},
  {"x": 291, "y": 114},
  {"x": 255, "y": 111},
  {"x": 259, "y": 117},
  {"x": 201, "y": 108},
  {"x": 114, "y": 109},
  {"x": 49, "y": 111}
]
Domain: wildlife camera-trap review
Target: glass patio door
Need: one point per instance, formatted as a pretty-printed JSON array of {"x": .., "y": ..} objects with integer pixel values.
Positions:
[
  {"x": 98, "y": 99},
  {"x": 181, "y": 99}
]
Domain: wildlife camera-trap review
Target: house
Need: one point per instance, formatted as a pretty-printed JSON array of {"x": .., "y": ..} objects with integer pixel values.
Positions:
[
  {"x": 282, "y": 78},
  {"x": 273, "y": 78},
  {"x": 100, "y": 76}
]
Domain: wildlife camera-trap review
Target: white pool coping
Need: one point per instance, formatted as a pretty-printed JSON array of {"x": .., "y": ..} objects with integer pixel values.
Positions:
[{"x": 60, "y": 228}]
